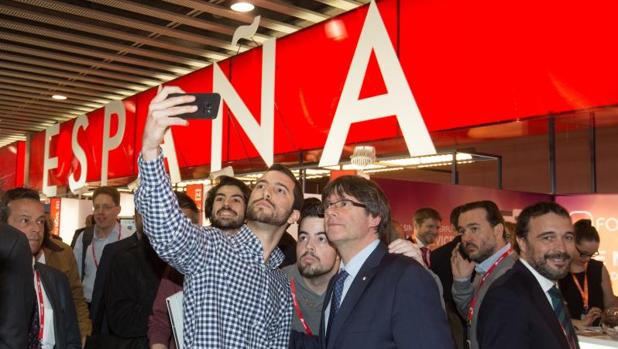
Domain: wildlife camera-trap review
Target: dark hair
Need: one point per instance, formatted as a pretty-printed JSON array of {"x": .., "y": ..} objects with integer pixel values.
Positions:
[
  {"x": 584, "y": 230},
  {"x": 454, "y": 217},
  {"x": 312, "y": 207},
  {"x": 541, "y": 208},
  {"x": 492, "y": 212},
  {"x": 298, "y": 190},
  {"x": 185, "y": 201},
  {"x": 16, "y": 194},
  {"x": 426, "y": 213},
  {"x": 223, "y": 181},
  {"x": 110, "y": 191},
  {"x": 367, "y": 193}
]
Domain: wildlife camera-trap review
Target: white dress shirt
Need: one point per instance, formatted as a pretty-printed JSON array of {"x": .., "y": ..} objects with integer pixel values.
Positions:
[{"x": 545, "y": 283}]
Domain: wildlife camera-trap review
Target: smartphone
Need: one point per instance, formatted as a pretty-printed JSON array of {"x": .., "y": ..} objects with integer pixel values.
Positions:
[
  {"x": 207, "y": 105},
  {"x": 463, "y": 252}
]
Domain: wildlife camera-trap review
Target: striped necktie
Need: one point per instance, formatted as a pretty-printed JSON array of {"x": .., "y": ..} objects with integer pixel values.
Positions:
[{"x": 563, "y": 317}]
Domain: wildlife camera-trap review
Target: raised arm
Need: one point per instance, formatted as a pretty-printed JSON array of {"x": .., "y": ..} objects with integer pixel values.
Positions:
[{"x": 175, "y": 239}]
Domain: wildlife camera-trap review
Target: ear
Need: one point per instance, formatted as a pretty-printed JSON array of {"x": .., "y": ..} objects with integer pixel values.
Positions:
[
  {"x": 118, "y": 209},
  {"x": 294, "y": 216},
  {"x": 374, "y": 221},
  {"x": 499, "y": 232},
  {"x": 522, "y": 243}
]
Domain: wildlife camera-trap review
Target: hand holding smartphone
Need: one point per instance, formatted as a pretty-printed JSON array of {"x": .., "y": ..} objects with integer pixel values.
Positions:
[{"x": 207, "y": 105}]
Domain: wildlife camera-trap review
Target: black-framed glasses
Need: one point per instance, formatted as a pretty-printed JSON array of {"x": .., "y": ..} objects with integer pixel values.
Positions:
[
  {"x": 584, "y": 254},
  {"x": 343, "y": 203}
]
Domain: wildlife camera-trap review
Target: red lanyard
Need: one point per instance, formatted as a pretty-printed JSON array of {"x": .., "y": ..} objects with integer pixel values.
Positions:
[
  {"x": 299, "y": 313},
  {"x": 94, "y": 254},
  {"x": 583, "y": 292},
  {"x": 487, "y": 274},
  {"x": 39, "y": 293}
]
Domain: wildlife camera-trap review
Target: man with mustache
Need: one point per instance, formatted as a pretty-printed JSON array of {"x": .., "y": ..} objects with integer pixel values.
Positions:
[
  {"x": 481, "y": 226},
  {"x": 426, "y": 225},
  {"x": 524, "y": 308},
  {"x": 234, "y": 294}
]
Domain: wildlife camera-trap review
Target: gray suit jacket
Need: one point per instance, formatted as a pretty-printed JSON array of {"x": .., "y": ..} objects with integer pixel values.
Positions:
[{"x": 463, "y": 292}]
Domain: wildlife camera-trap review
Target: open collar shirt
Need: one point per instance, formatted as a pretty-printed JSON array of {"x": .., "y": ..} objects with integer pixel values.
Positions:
[{"x": 232, "y": 298}]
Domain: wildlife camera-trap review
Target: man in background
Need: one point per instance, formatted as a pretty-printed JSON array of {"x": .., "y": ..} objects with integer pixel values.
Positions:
[{"x": 426, "y": 225}]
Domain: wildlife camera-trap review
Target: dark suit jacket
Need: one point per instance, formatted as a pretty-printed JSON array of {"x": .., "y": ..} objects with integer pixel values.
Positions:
[
  {"x": 59, "y": 293},
  {"x": 97, "y": 305},
  {"x": 17, "y": 297},
  {"x": 515, "y": 313},
  {"x": 392, "y": 303}
]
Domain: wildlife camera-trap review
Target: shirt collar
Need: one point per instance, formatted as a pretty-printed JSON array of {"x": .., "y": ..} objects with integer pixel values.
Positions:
[
  {"x": 419, "y": 243},
  {"x": 482, "y": 267},
  {"x": 353, "y": 267}
]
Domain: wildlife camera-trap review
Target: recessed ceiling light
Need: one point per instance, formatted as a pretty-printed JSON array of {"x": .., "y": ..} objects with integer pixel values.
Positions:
[
  {"x": 242, "y": 6},
  {"x": 59, "y": 97}
]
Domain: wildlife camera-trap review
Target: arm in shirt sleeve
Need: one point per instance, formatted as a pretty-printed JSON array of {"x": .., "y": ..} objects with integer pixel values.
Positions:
[
  {"x": 185, "y": 246},
  {"x": 462, "y": 291},
  {"x": 281, "y": 333},
  {"x": 77, "y": 252}
]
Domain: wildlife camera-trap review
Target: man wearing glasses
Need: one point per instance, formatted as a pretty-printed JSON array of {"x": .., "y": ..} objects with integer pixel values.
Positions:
[
  {"x": 377, "y": 300},
  {"x": 91, "y": 242}
]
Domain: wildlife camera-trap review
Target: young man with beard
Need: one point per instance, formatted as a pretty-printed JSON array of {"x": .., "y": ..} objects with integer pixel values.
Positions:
[
  {"x": 481, "y": 226},
  {"x": 225, "y": 207},
  {"x": 316, "y": 264},
  {"x": 235, "y": 296},
  {"x": 524, "y": 308},
  {"x": 426, "y": 225}
]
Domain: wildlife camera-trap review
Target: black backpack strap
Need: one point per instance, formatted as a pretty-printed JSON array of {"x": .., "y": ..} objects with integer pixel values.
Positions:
[{"x": 87, "y": 235}]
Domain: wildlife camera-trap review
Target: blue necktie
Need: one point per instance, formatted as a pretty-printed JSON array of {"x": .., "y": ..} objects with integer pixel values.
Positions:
[
  {"x": 563, "y": 318},
  {"x": 336, "y": 298}
]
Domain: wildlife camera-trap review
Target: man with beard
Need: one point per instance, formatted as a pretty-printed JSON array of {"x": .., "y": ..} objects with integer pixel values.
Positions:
[
  {"x": 317, "y": 263},
  {"x": 235, "y": 296},
  {"x": 524, "y": 308},
  {"x": 481, "y": 226},
  {"x": 225, "y": 208}
]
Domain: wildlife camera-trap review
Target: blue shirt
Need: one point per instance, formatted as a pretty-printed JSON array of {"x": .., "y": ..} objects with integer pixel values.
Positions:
[
  {"x": 232, "y": 298},
  {"x": 482, "y": 267}
]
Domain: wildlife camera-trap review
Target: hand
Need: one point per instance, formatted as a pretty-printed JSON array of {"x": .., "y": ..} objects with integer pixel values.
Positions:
[
  {"x": 461, "y": 267},
  {"x": 592, "y": 314},
  {"x": 160, "y": 117},
  {"x": 406, "y": 248}
]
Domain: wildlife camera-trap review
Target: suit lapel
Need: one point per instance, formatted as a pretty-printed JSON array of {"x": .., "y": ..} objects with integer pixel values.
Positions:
[
  {"x": 542, "y": 304},
  {"x": 361, "y": 281},
  {"x": 49, "y": 284}
]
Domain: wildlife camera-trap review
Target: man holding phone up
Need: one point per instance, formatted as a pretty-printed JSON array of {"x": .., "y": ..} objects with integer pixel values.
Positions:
[{"x": 235, "y": 297}]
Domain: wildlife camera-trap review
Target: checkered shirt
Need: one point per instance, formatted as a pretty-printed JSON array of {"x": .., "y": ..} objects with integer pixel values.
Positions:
[{"x": 232, "y": 299}]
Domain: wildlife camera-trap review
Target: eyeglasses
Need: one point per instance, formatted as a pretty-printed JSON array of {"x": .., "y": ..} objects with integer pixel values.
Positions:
[
  {"x": 584, "y": 254},
  {"x": 343, "y": 203},
  {"x": 103, "y": 207}
]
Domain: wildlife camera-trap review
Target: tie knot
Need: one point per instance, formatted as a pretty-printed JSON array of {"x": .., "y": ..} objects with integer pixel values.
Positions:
[
  {"x": 342, "y": 275},
  {"x": 554, "y": 292},
  {"x": 424, "y": 249}
]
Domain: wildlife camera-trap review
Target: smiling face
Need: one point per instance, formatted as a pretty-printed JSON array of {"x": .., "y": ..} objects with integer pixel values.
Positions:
[
  {"x": 271, "y": 201},
  {"x": 427, "y": 231},
  {"x": 549, "y": 245},
  {"x": 316, "y": 256},
  {"x": 105, "y": 211},
  {"x": 228, "y": 208},
  {"x": 28, "y": 216}
]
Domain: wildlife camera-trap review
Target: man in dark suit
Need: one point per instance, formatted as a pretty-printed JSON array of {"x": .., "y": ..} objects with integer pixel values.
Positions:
[
  {"x": 377, "y": 300},
  {"x": 54, "y": 310},
  {"x": 16, "y": 288},
  {"x": 524, "y": 308}
]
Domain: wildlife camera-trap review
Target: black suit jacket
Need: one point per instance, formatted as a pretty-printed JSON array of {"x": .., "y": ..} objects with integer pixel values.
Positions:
[
  {"x": 516, "y": 314},
  {"x": 59, "y": 293},
  {"x": 392, "y": 303},
  {"x": 97, "y": 305},
  {"x": 16, "y": 288}
]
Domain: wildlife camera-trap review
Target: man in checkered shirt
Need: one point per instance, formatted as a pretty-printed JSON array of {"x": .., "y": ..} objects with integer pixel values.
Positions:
[{"x": 235, "y": 297}]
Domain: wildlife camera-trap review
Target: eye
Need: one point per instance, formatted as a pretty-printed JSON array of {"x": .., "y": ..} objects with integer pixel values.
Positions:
[
  {"x": 280, "y": 190},
  {"x": 260, "y": 186},
  {"x": 322, "y": 239},
  {"x": 237, "y": 200},
  {"x": 302, "y": 238},
  {"x": 218, "y": 199},
  {"x": 569, "y": 237},
  {"x": 24, "y": 221}
]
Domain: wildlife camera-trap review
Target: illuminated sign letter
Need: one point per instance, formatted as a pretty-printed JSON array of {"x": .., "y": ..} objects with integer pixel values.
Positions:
[
  {"x": 109, "y": 142},
  {"x": 262, "y": 136},
  {"x": 80, "y": 154},
  {"x": 399, "y": 100},
  {"x": 49, "y": 163}
]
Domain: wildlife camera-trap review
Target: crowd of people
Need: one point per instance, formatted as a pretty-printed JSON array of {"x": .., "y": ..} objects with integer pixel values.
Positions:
[{"x": 348, "y": 282}]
